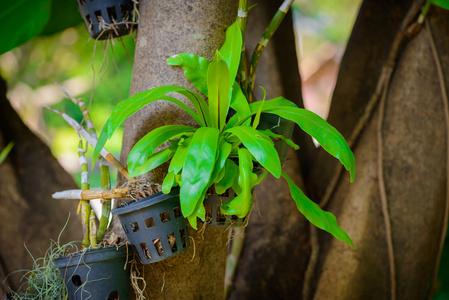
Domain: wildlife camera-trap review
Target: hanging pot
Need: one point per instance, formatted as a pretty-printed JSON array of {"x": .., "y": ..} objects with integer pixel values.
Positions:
[
  {"x": 108, "y": 18},
  {"x": 214, "y": 216},
  {"x": 96, "y": 274},
  {"x": 154, "y": 226}
]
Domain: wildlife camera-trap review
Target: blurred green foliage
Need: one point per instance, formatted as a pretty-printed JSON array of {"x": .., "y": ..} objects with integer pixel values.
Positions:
[{"x": 101, "y": 68}]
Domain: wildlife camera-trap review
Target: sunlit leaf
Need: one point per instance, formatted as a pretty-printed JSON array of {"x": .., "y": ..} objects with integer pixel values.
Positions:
[
  {"x": 260, "y": 146},
  {"x": 241, "y": 205},
  {"x": 218, "y": 92},
  {"x": 223, "y": 153},
  {"x": 195, "y": 69},
  {"x": 178, "y": 159},
  {"x": 286, "y": 140},
  {"x": 314, "y": 214},
  {"x": 199, "y": 212},
  {"x": 240, "y": 104},
  {"x": 232, "y": 49},
  {"x": 231, "y": 171},
  {"x": 329, "y": 138},
  {"x": 21, "y": 20},
  {"x": 198, "y": 167},
  {"x": 146, "y": 146},
  {"x": 168, "y": 182},
  {"x": 5, "y": 151},
  {"x": 152, "y": 162},
  {"x": 126, "y": 108},
  {"x": 441, "y": 3}
]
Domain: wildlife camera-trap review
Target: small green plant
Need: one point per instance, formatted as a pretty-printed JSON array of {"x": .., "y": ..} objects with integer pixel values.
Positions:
[
  {"x": 5, "y": 151},
  {"x": 227, "y": 150}
]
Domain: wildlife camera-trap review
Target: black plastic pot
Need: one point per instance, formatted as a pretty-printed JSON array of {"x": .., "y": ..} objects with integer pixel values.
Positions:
[
  {"x": 96, "y": 274},
  {"x": 154, "y": 226},
  {"x": 107, "y": 18},
  {"x": 214, "y": 216}
]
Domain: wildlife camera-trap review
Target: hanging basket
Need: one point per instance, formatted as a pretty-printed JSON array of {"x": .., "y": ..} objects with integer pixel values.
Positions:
[
  {"x": 214, "y": 216},
  {"x": 96, "y": 274},
  {"x": 107, "y": 19},
  {"x": 154, "y": 226}
]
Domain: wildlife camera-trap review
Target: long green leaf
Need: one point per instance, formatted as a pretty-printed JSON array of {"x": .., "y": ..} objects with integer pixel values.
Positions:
[
  {"x": 261, "y": 147},
  {"x": 232, "y": 49},
  {"x": 329, "y": 138},
  {"x": 152, "y": 162},
  {"x": 168, "y": 183},
  {"x": 441, "y": 3},
  {"x": 195, "y": 69},
  {"x": 231, "y": 172},
  {"x": 198, "y": 167},
  {"x": 126, "y": 108},
  {"x": 285, "y": 139},
  {"x": 4, "y": 153},
  {"x": 240, "y": 104},
  {"x": 199, "y": 212},
  {"x": 241, "y": 205},
  {"x": 314, "y": 214},
  {"x": 218, "y": 92},
  {"x": 223, "y": 153},
  {"x": 178, "y": 159},
  {"x": 146, "y": 146},
  {"x": 21, "y": 20}
]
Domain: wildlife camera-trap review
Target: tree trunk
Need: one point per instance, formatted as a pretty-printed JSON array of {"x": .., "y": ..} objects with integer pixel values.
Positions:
[
  {"x": 396, "y": 211},
  {"x": 276, "y": 239},
  {"x": 167, "y": 28},
  {"x": 27, "y": 179}
]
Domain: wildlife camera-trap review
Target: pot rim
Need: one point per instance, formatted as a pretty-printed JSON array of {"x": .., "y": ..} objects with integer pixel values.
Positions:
[
  {"x": 144, "y": 203},
  {"x": 91, "y": 255}
]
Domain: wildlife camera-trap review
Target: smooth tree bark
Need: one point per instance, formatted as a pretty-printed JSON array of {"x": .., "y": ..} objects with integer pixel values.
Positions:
[
  {"x": 29, "y": 217},
  {"x": 396, "y": 211},
  {"x": 167, "y": 28}
]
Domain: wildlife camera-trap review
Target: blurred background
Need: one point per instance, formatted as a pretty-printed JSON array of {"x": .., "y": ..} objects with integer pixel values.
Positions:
[{"x": 100, "y": 73}]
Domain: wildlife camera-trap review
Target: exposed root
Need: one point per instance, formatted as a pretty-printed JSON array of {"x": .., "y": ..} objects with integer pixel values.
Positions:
[
  {"x": 444, "y": 98},
  {"x": 137, "y": 278},
  {"x": 194, "y": 249}
]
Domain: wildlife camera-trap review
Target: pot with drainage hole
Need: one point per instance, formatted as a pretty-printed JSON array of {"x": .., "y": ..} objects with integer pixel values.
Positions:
[
  {"x": 154, "y": 226},
  {"x": 107, "y": 19},
  {"x": 96, "y": 274}
]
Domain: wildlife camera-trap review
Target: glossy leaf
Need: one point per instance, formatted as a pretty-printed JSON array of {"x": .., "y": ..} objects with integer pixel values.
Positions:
[
  {"x": 261, "y": 147},
  {"x": 231, "y": 172},
  {"x": 5, "y": 151},
  {"x": 21, "y": 20},
  {"x": 198, "y": 167},
  {"x": 232, "y": 49},
  {"x": 146, "y": 146},
  {"x": 195, "y": 69},
  {"x": 223, "y": 153},
  {"x": 152, "y": 162},
  {"x": 240, "y": 104},
  {"x": 441, "y": 3},
  {"x": 286, "y": 140},
  {"x": 241, "y": 205},
  {"x": 314, "y": 214},
  {"x": 178, "y": 159},
  {"x": 329, "y": 138},
  {"x": 200, "y": 212},
  {"x": 218, "y": 92},
  {"x": 126, "y": 108},
  {"x": 168, "y": 182}
]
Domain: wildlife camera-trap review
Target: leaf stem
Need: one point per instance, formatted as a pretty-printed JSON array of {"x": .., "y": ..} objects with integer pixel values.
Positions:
[
  {"x": 85, "y": 209},
  {"x": 242, "y": 21},
  {"x": 261, "y": 45},
  {"x": 105, "y": 204}
]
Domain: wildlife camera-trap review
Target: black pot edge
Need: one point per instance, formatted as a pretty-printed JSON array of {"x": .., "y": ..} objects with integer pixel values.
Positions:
[
  {"x": 143, "y": 203},
  {"x": 92, "y": 255}
]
